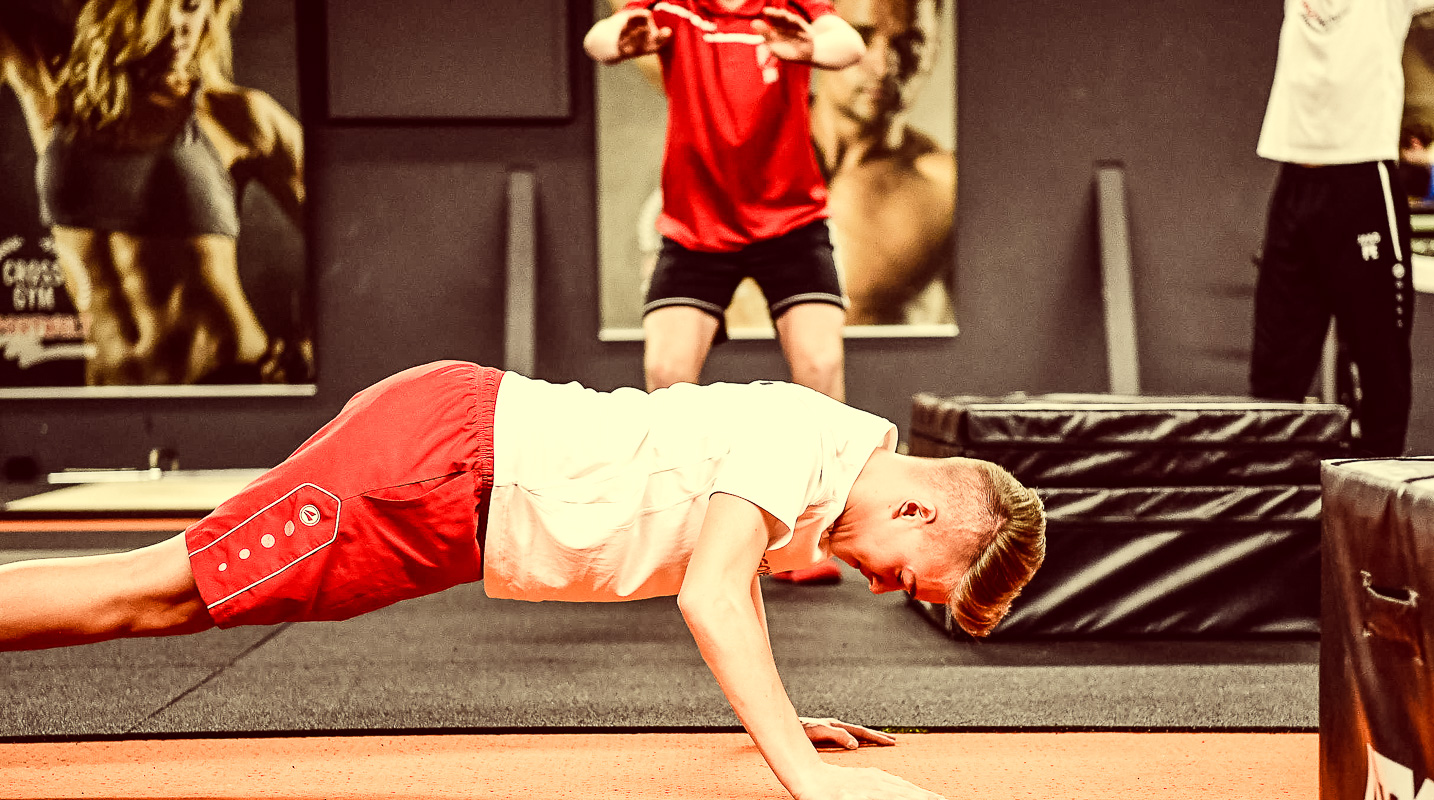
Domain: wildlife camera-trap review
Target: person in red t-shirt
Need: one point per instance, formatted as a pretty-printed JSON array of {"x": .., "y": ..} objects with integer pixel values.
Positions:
[{"x": 742, "y": 192}]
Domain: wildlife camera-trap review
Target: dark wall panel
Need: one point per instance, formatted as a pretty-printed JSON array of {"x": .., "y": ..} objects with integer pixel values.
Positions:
[
  {"x": 1176, "y": 92},
  {"x": 447, "y": 59},
  {"x": 402, "y": 288}
]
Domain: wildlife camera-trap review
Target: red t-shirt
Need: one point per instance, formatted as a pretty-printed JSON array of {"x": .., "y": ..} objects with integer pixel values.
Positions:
[{"x": 739, "y": 165}]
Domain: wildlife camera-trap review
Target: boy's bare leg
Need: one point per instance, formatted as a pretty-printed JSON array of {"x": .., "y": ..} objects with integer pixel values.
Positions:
[
  {"x": 57, "y": 602},
  {"x": 678, "y": 341},
  {"x": 811, "y": 339}
]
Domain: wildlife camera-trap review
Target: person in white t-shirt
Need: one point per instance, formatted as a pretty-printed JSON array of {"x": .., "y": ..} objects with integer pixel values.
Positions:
[
  {"x": 1337, "y": 236},
  {"x": 452, "y": 472}
]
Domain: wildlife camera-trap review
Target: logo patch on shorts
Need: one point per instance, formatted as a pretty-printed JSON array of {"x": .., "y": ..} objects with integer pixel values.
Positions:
[{"x": 309, "y": 515}]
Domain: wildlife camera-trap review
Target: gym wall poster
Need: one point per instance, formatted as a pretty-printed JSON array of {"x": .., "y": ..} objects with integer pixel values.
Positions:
[
  {"x": 1416, "y": 146},
  {"x": 152, "y": 240},
  {"x": 897, "y": 105}
]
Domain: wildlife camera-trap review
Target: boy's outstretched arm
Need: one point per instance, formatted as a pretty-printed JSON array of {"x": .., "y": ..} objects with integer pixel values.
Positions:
[
  {"x": 624, "y": 35},
  {"x": 718, "y": 603}
]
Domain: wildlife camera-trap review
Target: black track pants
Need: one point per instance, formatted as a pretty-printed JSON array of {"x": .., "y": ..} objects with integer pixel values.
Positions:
[{"x": 1337, "y": 242}]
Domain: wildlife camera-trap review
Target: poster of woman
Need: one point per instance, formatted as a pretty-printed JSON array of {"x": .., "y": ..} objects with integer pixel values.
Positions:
[
  {"x": 884, "y": 130},
  {"x": 152, "y": 239}
]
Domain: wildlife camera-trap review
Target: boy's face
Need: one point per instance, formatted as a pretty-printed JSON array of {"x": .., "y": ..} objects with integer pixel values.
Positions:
[{"x": 909, "y": 556}]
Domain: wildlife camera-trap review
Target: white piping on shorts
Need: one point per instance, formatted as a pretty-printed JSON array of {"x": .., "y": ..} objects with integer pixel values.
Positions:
[
  {"x": 692, "y": 302},
  {"x": 337, "y": 513},
  {"x": 808, "y": 297}
]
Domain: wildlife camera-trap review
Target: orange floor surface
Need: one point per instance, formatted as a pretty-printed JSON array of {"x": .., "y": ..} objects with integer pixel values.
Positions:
[{"x": 684, "y": 766}]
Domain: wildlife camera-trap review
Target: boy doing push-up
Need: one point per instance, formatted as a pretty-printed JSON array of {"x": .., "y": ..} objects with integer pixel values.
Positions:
[{"x": 452, "y": 472}]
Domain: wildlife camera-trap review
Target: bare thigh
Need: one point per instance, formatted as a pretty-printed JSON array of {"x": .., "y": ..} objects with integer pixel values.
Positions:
[
  {"x": 679, "y": 339},
  {"x": 146, "y": 592},
  {"x": 57, "y": 602},
  {"x": 811, "y": 339},
  {"x": 154, "y": 591}
]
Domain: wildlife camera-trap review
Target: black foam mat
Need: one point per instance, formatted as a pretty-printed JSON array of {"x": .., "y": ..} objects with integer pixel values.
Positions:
[
  {"x": 1063, "y": 420},
  {"x": 1104, "y": 440},
  {"x": 1125, "y": 466},
  {"x": 1220, "y": 508},
  {"x": 1167, "y": 581}
]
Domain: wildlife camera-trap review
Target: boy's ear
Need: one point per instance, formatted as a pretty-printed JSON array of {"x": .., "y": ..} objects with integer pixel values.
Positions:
[{"x": 917, "y": 510}]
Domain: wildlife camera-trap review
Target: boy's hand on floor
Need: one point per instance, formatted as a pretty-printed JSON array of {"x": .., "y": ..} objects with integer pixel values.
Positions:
[
  {"x": 862, "y": 783},
  {"x": 834, "y": 732}
]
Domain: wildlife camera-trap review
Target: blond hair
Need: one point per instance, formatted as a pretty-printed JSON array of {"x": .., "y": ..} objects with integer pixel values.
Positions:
[
  {"x": 108, "y": 60},
  {"x": 1010, "y": 551}
]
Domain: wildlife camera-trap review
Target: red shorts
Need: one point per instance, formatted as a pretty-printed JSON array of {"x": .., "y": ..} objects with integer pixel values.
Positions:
[{"x": 384, "y": 503}]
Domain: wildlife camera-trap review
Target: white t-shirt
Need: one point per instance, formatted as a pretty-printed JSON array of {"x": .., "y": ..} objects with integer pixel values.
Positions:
[
  {"x": 1338, "y": 94},
  {"x": 600, "y": 496}
]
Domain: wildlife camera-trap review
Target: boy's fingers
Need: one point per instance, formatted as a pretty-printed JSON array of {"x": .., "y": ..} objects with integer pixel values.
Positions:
[
  {"x": 837, "y": 737},
  {"x": 783, "y": 19},
  {"x": 842, "y": 734},
  {"x": 867, "y": 734},
  {"x": 641, "y": 36},
  {"x": 877, "y": 737},
  {"x": 636, "y": 22}
]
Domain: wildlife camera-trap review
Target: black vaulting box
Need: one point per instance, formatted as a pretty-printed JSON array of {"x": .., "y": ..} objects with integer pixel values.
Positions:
[
  {"x": 1166, "y": 516},
  {"x": 1376, "y": 682}
]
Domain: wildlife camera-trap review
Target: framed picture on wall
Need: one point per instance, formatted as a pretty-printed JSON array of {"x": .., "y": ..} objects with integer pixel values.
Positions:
[
  {"x": 151, "y": 237},
  {"x": 1416, "y": 146},
  {"x": 884, "y": 132}
]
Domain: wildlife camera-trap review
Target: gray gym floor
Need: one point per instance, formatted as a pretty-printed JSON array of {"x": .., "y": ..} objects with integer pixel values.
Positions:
[{"x": 461, "y": 661}]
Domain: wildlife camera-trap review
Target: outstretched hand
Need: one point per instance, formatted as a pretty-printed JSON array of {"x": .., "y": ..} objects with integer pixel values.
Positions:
[
  {"x": 640, "y": 36},
  {"x": 834, "y": 732},
  {"x": 862, "y": 783},
  {"x": 788, "y": 36}
]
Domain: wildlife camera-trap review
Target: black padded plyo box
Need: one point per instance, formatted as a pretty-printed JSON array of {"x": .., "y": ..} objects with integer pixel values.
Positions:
[
  {"x": 1171, "y": 562},
  {"x": 1377, "y": 630},
  {"x": 1113, "y": 440},
  {"x": 1219, "y": 507}
]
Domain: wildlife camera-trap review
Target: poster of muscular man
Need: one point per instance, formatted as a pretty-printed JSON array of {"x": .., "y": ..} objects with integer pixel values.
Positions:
[
  {"x": 1416, "y": 134},
  {"x": 884, "y": 132},
  {"x": 151, "y": 236},
  {"x": 1416, "y": 145}
]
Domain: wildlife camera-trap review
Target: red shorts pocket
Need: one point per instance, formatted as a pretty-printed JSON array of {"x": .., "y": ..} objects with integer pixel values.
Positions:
[{"x": 416, "y": 539}]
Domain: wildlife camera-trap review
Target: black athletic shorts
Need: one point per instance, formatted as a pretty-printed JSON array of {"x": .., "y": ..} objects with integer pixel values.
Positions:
[{"x": 796, "y": 267}]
